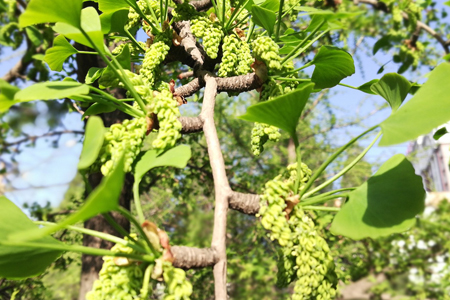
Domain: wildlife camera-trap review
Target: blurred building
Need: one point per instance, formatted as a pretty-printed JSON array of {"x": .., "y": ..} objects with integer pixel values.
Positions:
[{"x": 431, "y": 161}]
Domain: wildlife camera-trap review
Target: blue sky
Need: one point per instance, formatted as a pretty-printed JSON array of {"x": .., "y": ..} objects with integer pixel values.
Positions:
[{"x": 45, "y": 171}]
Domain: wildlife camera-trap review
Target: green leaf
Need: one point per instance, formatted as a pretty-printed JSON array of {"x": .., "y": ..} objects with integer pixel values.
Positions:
[
  {"x": 387, "y": 203},
  {"x": 34, "y": 35},
  {"x": 51, "y": 91},
  {"x": 98, "y": 108},
  {"x": 393, "y": 88},
  {"x": 93, "y": 74},
  {"x": 282, "y": 112},
  {"x": 107, "y": 6},
  {"x": 114, "y": 21},
  {"x": 22, "y": 262},
  {"x": 93, "y": 141},
  {"x": 440, "y": 133},
  {"x": 272, "y": 5},
  {"x": 332, "y": 65},
  {"x": 90, "y": 22},
  {"x": 104, "y": 198},
  {"x": 176, "y": 157},
  {"x": 44, "y": 11},
  {"x": 57, "y": 55},
  {"x": 7, "y": 92},
  {"x": 366, "y": 87},
  {"x": 427, "y": 109},
  {"x": 384, "y": 42},
  {"x": 264, "y": 18}
]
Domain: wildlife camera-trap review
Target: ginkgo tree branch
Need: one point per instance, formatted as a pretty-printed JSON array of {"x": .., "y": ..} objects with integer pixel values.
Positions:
[{"x": 222, "y": 188}]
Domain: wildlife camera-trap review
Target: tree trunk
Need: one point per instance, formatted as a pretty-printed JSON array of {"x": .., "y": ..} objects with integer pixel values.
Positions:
[{"x": 91, "y": 265}]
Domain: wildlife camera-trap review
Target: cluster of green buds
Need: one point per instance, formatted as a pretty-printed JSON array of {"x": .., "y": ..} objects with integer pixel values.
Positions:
[
  {"x": 305, "y": 255},
  {"x": 153, "y": 58},
  {"x": 134, "y": 18},
  {"x": 209, "y": 31},
  {"x": 122, "y": 139},
  {"x": 266, "y": 50},
  {"x": 236, "y": 59},
  {"x": 409, "y": 55},
  {"x": 134, "y": 50},
  {"x": 166, "y": 109},
  {"x": 290, "y": 8},
  {"x": 314, "y": 264},
  {"x": 261, "y": 133},
  {"x": 119, "y": 278},
  {"x": 177, "y": 286}
]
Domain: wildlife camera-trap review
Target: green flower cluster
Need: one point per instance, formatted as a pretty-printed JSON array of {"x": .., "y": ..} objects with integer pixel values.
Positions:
[
  {"x": 134, "y": 50},
  {"x": 117, "y": 282},
  {"x": 122, "y": 139},
  {"x": 289, "y": 5},
  {"x": 177, "y": 287},
  {"x": 236, "y": 59},
  {"x": 305, "y": 255},
  {"x": 166, "y": 109},
  {"x": 267, "y": 51},
  {"x": 134, "y": 18},
  {"x": 409, "y": 56},
  {"x": 154, "y": 56},
  {"x": 211, "y": 33},
  {"x": 261, "y": 133}
]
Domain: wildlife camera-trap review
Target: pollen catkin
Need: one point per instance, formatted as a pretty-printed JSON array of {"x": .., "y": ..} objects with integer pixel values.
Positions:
[
  {"x": 122, "y": 139},
  {"x": 166, "y": 109},
  {"x": 117, "y": 282},
  {"x": 267, "y": 51},
  {"x": 177, "y": 286},
  {"x": 236, "y": 59},
  {"x": 209, "y": 31},
  {"x": 305, "y": 255}
]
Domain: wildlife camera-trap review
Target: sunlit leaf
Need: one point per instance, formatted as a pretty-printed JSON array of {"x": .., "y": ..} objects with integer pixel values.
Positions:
[
  {"x": 46, "y": 11},
  {"x": 393, "y": 88},
  {"x": 114, "y": 21},
  {"x": 19, "y": 261},
  {"x": 34, "y": 35},
  {"x": 387, "y": 203},
  {"x": 7, "y": 92},
  {"x": 426, "y": 110},
  {"x": 104, "y": 198},
  {"x": 332, "y": 65},
  {"x": 99, "y": 108},
  {"x": 51, "y": 91},
  {"x": 366, "y": 87},
  {"x": 107, "y": 6},
  {"x": 90, "y": 22},
  {"x": 93, "y": 74},
  {"x": 176, "y": 157},
  {"x": 283, "y": 111},
  {"x": 93, "y": 141},
  {"x": 264, "y": 18},
  {"x": 57, "y": 55}
]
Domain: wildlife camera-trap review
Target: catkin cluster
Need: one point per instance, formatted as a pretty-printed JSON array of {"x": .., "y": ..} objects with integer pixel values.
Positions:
[
  {"x": 236, "y": 59},
  {"x": 134, "y": 18},
  {"x": 134, "y": 50},
  {"x": 166, "y": 109},
  {"x": 153, "y": 58},
  {"x": 177, "y": 287},
  {"x": 261, "y": 133},
  {"x": 209, "y": 31},
  {"x": 117, "y": 282},
  {"x": 122, "y": 139},
  {"x": 305, "y": 255},
  {"x": 267, "y": 51}
]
